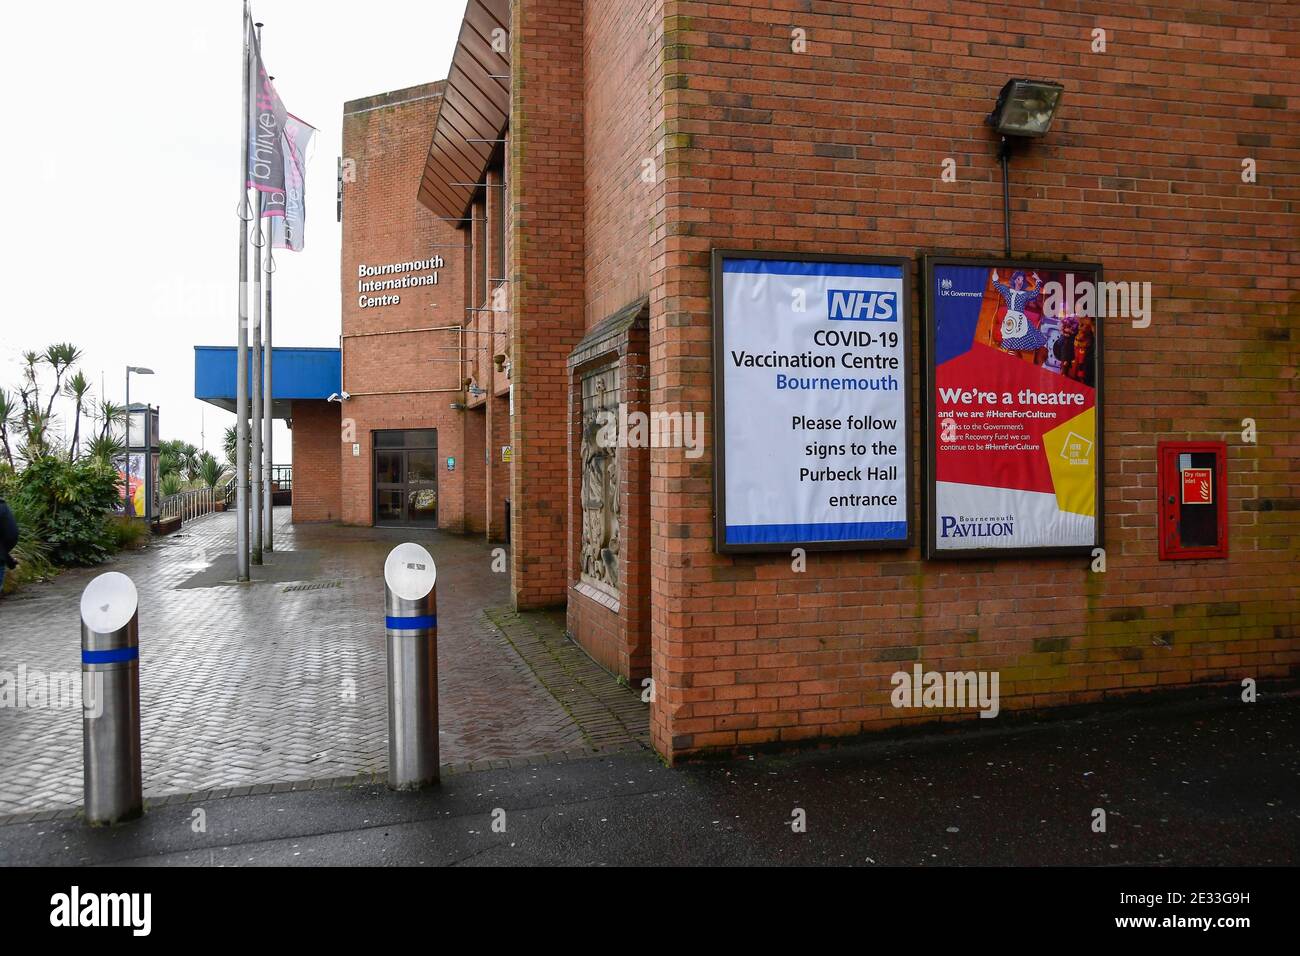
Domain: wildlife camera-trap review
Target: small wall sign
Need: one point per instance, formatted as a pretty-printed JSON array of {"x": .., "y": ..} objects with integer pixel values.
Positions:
[
  {"x": 1198, "y": 486},
  {"x": 507, "y": 453},
  {"x": 451, "y": 463}
]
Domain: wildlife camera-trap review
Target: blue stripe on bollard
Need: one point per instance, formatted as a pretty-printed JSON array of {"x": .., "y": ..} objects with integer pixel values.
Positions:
[
  {"x": 423, "y": 622},
  {"x": 115, "y": 656}
]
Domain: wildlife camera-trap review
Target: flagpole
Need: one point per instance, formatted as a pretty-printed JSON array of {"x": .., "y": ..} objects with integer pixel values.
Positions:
[
  {"x": 255, "y": 423},
  {"x": 255, "y": 466},
  {"x": 268, "y": 491},
  {"x": 241, "y": 352}
]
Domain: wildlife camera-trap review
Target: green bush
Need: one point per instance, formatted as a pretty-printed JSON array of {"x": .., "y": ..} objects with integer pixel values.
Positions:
[
  {"x": 33, "y": 559},
  {"x": 211, "y": 471},
  {"x": 128, "y": 532},
  {"x": 67, "y": 506},
  {"x": 32, "y": 555}
]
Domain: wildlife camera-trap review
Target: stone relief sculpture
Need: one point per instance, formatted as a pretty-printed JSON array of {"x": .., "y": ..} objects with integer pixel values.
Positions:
[{"x": 598, "y": 561}]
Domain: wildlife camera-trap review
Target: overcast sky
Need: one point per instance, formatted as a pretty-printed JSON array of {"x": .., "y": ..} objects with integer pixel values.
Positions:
[{"x": 122, "y": 179}]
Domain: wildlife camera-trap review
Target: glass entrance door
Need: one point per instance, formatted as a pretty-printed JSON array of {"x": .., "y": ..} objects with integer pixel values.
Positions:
[
  {"x": 422, "y": 485},
  {"x": 406, "y": 477}
]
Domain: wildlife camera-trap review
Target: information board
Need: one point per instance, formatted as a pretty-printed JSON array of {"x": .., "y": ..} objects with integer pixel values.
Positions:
[
  {"x": 1013, "y": 430},
  {"x": 812, "y": 401}
]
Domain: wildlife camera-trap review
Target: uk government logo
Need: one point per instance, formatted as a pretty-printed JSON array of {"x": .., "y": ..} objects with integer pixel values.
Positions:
[{"x": 946, "y": 289}]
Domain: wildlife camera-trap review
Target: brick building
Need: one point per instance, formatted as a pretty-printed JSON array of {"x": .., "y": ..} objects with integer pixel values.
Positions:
[
  {"x": 583, "y": 162},
  {"x": 403, "y": 431},
  {"x": 401, "y": 441}
]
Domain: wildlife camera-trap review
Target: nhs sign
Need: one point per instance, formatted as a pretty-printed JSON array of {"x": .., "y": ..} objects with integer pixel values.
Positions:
[{"x": 858, "y": 305}]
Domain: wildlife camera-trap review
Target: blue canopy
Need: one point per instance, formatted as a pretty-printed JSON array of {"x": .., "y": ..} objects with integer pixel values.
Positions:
[{"x": 298, "y": 375}]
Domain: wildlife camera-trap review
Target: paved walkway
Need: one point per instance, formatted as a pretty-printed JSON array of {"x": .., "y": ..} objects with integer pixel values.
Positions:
[
  {"x": 1207, "y": 785},
  {"x": 283, "y": 680}
]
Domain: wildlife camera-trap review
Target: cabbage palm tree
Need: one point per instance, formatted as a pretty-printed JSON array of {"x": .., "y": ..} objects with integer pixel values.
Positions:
[
  {"x": 104, "y": 447},
  {"x": 169, "y": 458},
  {"x": 189, "y": 460},
  {"x": 60, "y": 357},
  {"x": 211, "y": 472},
  {"x": 170, "y": 484},
  {"x": 113, "y": 414},
  {"x": 76, "y": 388},
  {"x": 8, "y": 419},
  {"x": 30, "y": 390},
  {"x": 36, "y": 429}
]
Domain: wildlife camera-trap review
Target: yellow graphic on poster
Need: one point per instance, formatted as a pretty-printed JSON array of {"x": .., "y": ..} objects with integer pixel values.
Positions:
[
  {"x": 130, "y": 469},
  {"x": 1070, "y": 448}
]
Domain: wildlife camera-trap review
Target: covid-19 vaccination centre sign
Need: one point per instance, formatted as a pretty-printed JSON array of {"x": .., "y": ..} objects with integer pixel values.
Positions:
[{"x": 812, "y": 398}]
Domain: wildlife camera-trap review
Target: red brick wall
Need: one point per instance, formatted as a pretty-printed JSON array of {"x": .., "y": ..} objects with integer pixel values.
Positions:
[
  {"x": 403, "y": 378},
  {"x": 498, "y": 484},
  {"x": 475, "y": 466},
  {"x": 546, "y": 268},
  {"x": 614, "y": 627},
  {"x": 620, "y": 111},
  {"x": 839, "y": 149},
  {"x": 316, "y": 444},
  {"x": 493, "y": 340},
  {"x": 622, "y": 164}
]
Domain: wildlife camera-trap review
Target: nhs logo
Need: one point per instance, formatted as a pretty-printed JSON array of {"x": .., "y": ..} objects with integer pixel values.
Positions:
[{"x": 857, "y": 305}]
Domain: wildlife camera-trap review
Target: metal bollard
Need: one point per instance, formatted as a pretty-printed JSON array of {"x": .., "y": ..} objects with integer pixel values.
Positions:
[
  {"x": 411, "y": 619},
  {"x": 110, "y": 669}
]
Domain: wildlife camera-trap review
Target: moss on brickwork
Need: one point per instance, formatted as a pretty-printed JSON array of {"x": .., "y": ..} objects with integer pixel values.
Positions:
[{"x": 674, "y": 52}]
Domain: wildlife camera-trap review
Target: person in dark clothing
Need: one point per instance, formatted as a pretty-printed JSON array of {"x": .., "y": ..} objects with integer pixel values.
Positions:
[{"x": 8, "y": 540}]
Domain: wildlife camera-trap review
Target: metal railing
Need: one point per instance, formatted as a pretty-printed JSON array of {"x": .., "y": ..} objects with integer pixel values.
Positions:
[
  {"x": 281, "y": 480},
  {"x": 188, "y": 505},
  {"x": 282, "y": 477}
]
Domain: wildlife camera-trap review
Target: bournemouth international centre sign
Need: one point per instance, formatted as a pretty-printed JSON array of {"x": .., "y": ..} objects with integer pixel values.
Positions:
[{"x": 391, "y": 278}]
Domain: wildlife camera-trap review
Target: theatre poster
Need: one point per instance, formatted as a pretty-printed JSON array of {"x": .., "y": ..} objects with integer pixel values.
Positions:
[{"x": 1013, "y": 407}]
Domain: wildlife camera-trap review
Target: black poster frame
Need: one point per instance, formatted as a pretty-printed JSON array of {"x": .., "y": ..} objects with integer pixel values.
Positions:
[{"x": 929, "y": 407}]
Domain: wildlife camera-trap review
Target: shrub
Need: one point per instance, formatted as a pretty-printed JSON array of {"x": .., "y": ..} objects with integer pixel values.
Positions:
[
  {"x": 33, "y": 558},
  {"x": 32, "y": 555},
  {"x": 211, "y": 471},
  {"x": 67, "y": 505},
  {"x": 128, "y": 532},
  {"x": 106, "y": 447}
]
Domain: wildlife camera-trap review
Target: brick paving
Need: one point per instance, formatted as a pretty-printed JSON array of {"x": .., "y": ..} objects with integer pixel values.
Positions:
[
  {"x": 281, "y": 682},
  {"x": 607, "y": 712}
]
